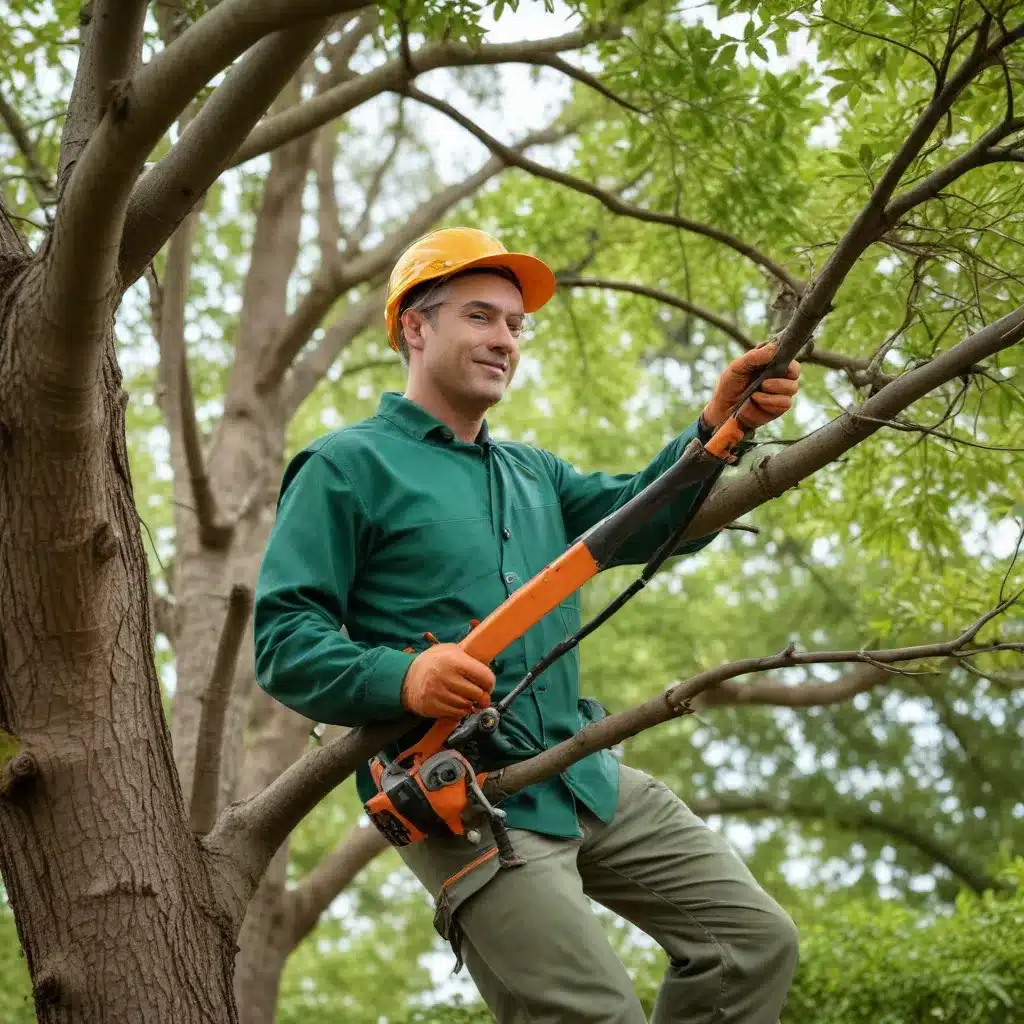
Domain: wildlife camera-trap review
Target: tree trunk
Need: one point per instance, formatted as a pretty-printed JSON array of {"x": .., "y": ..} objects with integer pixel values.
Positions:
[
  {"x": 267, "y": 938},
  {"x": 116, "y": 910},
  {"x": 265, "y": 944}
]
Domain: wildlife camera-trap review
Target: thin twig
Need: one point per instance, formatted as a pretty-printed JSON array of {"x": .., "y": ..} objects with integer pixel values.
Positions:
[{"x": 37, "y": 176}]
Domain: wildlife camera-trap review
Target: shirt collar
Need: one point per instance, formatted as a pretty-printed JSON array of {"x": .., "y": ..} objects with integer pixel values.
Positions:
[{"x": 417, "y": 422}]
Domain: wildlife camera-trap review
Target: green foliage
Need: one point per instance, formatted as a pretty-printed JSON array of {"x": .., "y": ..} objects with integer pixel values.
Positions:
[
  {"x": 880, "y": 963},
  {"x": 16, "y": 1006}
]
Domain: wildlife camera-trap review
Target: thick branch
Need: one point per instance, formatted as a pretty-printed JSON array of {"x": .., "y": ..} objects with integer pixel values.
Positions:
[
  {"x": 612, "y": 202},
  {"x": 678, "y": 700},
  {"x": 859, "y": 820},
  {"x": 79, "y": 277},
  {"x": 311, "y": 367},
  {"x": 167, "y": 191},
  {"x": 857, "y": 369},
  {"x": 110, "y": 48},
  {"x": 778, "y": 473},
  {"x": 248, "y": 832},
  {"x": 318, "y": 890},
  {"x": 210, "y": 736},
  {"x": 393, "y": 77},
  {"x": 163, "y": 88}
]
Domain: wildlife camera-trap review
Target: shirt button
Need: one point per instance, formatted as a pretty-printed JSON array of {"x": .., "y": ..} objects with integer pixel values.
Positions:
[
  {"x": 447, "y": 434},
  {"x": 506, "y": 533}
]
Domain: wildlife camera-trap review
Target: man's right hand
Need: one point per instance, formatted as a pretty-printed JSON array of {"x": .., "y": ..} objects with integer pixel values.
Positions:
[{"x": 446, "y": 682}]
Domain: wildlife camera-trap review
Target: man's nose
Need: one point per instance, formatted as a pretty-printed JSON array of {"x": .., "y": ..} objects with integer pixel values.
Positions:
[{"x": 504, "y": 339}]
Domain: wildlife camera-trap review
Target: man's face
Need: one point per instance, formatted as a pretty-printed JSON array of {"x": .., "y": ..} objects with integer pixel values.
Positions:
[{"x": 471, "y": 351}]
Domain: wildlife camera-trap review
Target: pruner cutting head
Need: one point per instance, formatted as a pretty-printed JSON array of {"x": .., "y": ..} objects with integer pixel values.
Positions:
[{"x": 485, "y": 721}]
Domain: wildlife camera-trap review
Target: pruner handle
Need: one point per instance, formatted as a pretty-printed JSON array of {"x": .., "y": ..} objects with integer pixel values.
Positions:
[{"x": 726, "y": 438}]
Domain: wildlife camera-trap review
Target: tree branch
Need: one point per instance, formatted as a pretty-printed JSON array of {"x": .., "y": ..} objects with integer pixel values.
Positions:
[
  {"x": 311, "y": 367},
  {"x": 210, "y": 733},
  {"x": 856, "y": 819},
  {"x": 317, "y": 891},
  {"x": 589, "y": 80},
  {"x": 921, "y": 428},
  {"x": 78, "y": 289},
  {"x": 328, "y": 214},
  {"x": 165, "y": 616},
  {"x": 38, "y": 177},
  {"x": 110, "y": 49},
  {"x": 982, "y": 153},
  {"x": 214, "y": 532},
  {"x": 164, "y": 87},
  {"x": 678, "y": 700},
  {"x": 393, "y": 76},
  {"x": 778, "y": 473},
  {"x": 169, "y": 189},
  {"x": 730, "y": 692},
  {"x": 248, "y": 832},
  {"x": 700, "y": 312},
  {"x": 857, "y": 369},
  {"x": 354, "y": 239},
  {"x": 871, "y": 223},
  {"x": 344, "y": 49},
  {"x": 607, "y": 199}
]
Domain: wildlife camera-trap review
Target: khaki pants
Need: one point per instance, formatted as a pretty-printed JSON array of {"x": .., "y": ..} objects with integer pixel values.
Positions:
[{"x": 537, "y": 952}]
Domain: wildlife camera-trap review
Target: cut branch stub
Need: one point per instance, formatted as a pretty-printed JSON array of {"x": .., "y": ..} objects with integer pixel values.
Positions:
[{"x": 210, "y": 741}]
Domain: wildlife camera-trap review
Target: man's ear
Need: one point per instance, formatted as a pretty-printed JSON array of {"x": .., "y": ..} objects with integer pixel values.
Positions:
[{"x": 413, "y": 322}]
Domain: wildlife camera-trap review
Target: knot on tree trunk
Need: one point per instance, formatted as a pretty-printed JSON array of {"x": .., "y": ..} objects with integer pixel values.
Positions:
[
  {"x": 20, "y": 771},
  {"x": 117, "y": 98},
  {"x": 104, "y": 542},
  {"x": 47, "y": 991}
]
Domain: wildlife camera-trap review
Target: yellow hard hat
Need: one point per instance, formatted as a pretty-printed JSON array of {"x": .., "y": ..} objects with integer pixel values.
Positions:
[{"x": 450, "y": 250}]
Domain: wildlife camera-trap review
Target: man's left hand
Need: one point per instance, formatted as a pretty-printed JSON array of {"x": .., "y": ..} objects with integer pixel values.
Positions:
[{"x": 772, "y": 399}]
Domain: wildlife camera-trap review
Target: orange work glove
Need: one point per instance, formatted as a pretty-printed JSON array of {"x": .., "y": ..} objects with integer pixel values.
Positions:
[
  {"x": 773, "y": 398},
  {"x": 446, "y": 682}
]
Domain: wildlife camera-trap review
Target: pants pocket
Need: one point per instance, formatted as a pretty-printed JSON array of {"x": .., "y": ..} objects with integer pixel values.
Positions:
[{"x": 452, "y": 874}]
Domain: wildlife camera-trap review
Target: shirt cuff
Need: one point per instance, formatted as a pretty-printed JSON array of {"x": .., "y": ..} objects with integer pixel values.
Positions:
[{"x": 382, "y": 698}]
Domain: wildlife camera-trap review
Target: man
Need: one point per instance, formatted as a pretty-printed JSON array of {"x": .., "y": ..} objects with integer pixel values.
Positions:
[{"x": 410, "y": 525}]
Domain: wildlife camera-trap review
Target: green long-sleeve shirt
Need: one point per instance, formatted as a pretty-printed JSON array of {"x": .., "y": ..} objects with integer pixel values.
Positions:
[{"x": 393, "y": 528}]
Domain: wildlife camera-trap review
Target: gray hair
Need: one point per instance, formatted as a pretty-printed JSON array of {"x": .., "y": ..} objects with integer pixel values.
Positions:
[{"x": 428, "y": 295}]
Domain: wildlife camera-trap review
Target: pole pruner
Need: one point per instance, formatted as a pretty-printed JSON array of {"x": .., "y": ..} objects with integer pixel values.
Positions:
[{"x": 427, "y": 790}]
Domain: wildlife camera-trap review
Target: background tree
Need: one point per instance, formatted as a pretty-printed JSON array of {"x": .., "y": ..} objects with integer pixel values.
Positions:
[{"x": 234, "y": 181}]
